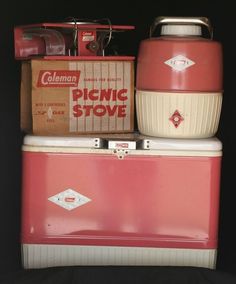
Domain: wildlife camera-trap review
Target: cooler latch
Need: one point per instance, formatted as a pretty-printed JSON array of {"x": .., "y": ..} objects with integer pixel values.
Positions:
[{"x": 121, "y": 148}]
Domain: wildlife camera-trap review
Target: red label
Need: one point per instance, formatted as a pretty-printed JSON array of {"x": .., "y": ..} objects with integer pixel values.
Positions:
[
  {"x": 176, "y": 118},
  {"x": 58, "y": 78},
  {"x": 88, "y": 33},
  {"x": 69, "y": 199},
  {"x": 122, "y": 145}
]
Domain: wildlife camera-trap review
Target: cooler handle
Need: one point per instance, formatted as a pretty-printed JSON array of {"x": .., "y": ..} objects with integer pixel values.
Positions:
[{"x": 203, "y": 21}]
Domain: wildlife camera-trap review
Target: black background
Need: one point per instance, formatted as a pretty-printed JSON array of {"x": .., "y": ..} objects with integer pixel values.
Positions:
[{"x": 120, "y": 12}]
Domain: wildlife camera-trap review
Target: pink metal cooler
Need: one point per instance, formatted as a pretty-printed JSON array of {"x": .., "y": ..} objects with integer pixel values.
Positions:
[{"x": 93, "y": 201}]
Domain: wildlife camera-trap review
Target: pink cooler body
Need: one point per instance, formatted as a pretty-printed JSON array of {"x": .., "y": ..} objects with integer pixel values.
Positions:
[{"x": 155, "y": 205}]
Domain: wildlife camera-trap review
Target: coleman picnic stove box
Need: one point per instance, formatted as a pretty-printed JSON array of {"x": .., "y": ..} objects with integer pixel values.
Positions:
[
  {"x": 69, "y": 83},
  {"x": 101, "y": 201}
]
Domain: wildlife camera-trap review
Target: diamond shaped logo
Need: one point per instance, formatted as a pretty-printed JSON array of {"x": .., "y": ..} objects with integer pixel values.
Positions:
[
  {"x": 176, "y": 118},
  {"x": 69, "y": 199},
  {"x": 179, "y": 62}
]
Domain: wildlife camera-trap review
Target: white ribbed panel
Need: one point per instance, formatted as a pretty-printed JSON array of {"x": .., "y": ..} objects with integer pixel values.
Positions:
[
  {"x": 200, "y": 113},
  {"x": 39, "y": 256}
]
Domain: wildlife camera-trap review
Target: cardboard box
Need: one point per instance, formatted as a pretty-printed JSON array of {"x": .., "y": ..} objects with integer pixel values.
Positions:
[{"x": 66, "y": 97}]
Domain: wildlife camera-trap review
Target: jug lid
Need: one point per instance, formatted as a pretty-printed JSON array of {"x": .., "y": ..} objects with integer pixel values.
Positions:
[
  {"x": 181, "y": 30},
  {"x": 181, "y": 26}
]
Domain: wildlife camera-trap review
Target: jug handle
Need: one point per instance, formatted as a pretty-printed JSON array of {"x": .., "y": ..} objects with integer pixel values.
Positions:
[{"x": 203, "y": 21}]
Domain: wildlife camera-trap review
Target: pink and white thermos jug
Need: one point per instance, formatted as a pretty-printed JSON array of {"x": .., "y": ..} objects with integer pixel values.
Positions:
[{"x": 179, "y": 79}]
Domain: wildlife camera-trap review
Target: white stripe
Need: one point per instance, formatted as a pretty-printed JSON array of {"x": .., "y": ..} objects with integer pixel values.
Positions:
[
  {"x": 72, "y": 119},
  {"x": 112, "y": 85},
  {"x": 127, "y": 85},
  {"x": 40, "y": 256},
  {"x": 89, "y": 84},
  {"x": 120, "y": 85},
  {"x": 144, "y": 153}
]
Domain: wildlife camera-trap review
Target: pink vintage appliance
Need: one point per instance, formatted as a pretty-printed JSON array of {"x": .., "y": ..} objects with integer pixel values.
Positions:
[
  {"x": 179, "y": 79},
  {"x": 113, "y": 201},
  {"x": 65, "y": 39}
]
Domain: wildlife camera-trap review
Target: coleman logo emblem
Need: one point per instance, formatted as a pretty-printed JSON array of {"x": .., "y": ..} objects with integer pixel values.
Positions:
[
  {"x": 122, "y": 145},
  {"x": 69, "y": 199},
  {"x": 179, "y": 62},
  {"x": 58, "y": 78},
  {"x": 176, "y": 118}
]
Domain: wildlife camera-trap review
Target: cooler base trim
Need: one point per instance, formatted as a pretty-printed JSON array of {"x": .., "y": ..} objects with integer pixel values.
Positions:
[{"x": 42, "y": 256}]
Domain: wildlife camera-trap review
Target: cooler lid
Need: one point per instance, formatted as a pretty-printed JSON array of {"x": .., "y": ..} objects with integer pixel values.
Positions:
[
  {"x": 55, "y": 141},
  {"x": 206, "y": 144}
]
